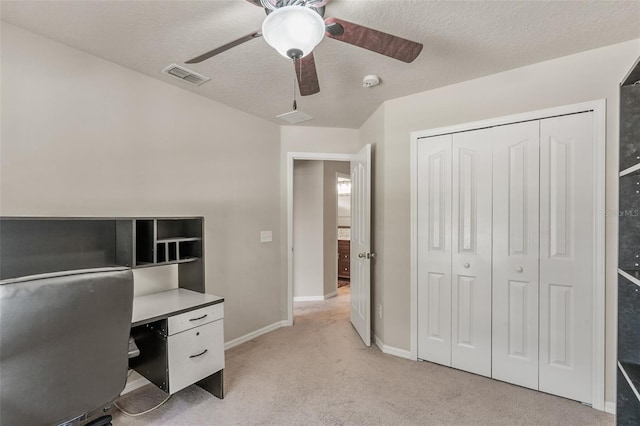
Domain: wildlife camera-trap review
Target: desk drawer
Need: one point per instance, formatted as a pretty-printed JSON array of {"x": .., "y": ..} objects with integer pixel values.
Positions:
[
  {"x": 182, "y": 322},
  {"x": 195, "y": 354}
]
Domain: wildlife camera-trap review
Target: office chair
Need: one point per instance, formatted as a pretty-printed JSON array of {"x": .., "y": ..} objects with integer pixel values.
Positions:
[{"x": 64, "y": 341}]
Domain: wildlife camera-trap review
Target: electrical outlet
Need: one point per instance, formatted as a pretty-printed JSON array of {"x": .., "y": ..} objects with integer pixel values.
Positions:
[
  {"x": 266, "y": 236},
  {"x": 380, "y": 310}
]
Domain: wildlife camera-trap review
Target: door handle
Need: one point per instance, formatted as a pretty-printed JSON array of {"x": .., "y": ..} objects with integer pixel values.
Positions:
[
  {"x": 466, "y": 265},
  {"x": 362, "y": 255},
  {"x": 519, "y": 269}
]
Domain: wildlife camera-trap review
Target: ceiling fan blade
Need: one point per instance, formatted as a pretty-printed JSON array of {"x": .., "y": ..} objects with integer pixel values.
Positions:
[
  {"x": 386, "y": 44},
  {"x": 307, "y": 75},
  {"x": 224, "y": 48}
]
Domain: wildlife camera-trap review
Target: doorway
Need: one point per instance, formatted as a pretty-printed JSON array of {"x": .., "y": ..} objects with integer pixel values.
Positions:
[
  {"x": 360, "y": 267},
  {"x": 320, "y": 258}
]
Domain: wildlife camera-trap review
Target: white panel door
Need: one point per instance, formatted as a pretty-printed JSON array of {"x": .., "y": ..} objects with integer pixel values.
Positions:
[
  {"x": 434, "y": 249},
  {"x": 361, "y": 244},
  {"x": 566, "y": 255},
  {"x": 471, "y": 252},
  {"x": 515, "y": 253}
]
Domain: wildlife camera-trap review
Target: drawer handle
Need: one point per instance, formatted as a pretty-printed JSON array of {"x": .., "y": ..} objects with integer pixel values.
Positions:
[
  {"x": 199, "y": 318},
  {"x": 200, "y": 354}
]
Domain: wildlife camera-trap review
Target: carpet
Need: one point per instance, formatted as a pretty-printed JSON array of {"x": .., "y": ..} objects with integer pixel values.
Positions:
[{"x": 319, "y": 372}]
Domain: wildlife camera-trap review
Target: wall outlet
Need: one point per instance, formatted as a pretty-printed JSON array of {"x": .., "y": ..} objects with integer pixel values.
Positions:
[
  {"x": 380, "y": 310},
  {"x": 266, "y": 236}
]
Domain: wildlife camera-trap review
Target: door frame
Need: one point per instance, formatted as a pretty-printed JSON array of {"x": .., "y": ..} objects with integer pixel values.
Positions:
[
  {"x": 599, "y": 164},
  {"x": 291, "y": 157},
  {"x": 344, "y": 176}
]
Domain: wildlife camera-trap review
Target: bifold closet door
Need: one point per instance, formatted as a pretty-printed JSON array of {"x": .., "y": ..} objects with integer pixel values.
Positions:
[
  {"x": 566, "y": 255},
  {"x": 515, "y": 253},
  {"x": 434, "y": 249},
  {"x": 471, "y": 252}
]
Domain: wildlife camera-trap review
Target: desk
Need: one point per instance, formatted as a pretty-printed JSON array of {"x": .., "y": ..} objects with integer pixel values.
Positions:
[{"x": 181, "y": 340}]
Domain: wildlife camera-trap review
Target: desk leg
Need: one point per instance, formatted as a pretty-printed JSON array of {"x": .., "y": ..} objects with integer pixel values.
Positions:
[{"x": 214, "y": 384}]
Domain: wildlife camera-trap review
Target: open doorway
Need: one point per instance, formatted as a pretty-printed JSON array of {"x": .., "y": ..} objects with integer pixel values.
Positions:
[
  {"x": 321, "y": 229},
  {"x": 360, "y": 250},
  {"x": 343, "y": 184}
]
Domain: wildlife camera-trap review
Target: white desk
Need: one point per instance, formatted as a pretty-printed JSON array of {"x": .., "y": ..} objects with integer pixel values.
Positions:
[
  {"x": 180, "y": 335},
  {"x": 161, "y": 305}
]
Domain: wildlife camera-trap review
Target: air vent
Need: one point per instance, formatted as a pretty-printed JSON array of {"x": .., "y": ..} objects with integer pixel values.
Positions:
[
  {"x": 185, "y": 75},
  {"x": 294, "y": 117}
]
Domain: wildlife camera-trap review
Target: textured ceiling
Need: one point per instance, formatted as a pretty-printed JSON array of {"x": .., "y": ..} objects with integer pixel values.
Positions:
[{"x": 462, "y": 40}]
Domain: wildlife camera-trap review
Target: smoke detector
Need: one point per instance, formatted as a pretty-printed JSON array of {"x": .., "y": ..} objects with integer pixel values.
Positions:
[{"x": 370, "y": 80}]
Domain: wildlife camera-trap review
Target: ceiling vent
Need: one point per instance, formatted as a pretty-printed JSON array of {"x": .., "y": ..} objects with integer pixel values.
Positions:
[
  {"x": 188, "y": 76},
  {"x": 294, "y": 117}
]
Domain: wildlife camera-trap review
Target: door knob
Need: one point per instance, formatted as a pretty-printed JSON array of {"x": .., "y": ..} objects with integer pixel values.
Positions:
[
  {"x": 362, "y": 255},
  {"x": 519, "y": 269},
  {"x": 466, "y": 265}
]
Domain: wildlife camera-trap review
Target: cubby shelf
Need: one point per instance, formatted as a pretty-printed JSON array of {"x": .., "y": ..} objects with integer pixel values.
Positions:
[{"x": 178, "y": 239}]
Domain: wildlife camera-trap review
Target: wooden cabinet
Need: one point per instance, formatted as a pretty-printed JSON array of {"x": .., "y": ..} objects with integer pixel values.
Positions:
[{"x": 344, "y": 259}]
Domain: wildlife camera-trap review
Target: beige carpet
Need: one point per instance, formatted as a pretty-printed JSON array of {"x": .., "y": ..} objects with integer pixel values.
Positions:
[{"x": 319, "y": 372}]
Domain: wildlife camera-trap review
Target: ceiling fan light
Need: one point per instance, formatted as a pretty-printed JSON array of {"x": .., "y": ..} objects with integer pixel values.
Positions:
[{"x": 293, "y": 29}]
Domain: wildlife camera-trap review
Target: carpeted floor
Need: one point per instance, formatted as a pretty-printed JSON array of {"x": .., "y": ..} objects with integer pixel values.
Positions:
[{"x": 319, "y": 372}]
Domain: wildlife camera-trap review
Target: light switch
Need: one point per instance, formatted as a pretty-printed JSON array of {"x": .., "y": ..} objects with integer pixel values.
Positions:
[{"x": 266, "y": 236}]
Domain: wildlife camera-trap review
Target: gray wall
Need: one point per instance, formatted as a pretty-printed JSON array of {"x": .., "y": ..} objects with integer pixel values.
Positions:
[
  {"x": 85, "y": 137},
  {"x": 586, "y": 76},
  {"x": 308, "y": 222}
]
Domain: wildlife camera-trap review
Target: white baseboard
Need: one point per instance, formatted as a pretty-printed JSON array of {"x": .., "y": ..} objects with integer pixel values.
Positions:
[
  {"x": 315, "y": 298},
  {"x": 610, "y": 407},
  {"x": 308, "y": 298},
  {"x": 242, "y": 339},
  {"x": 402, "y": 353}
]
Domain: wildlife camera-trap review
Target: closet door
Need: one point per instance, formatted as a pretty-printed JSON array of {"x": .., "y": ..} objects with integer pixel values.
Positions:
[
  {"x": 471, "y": 252},
  {"x": 566, "y": 255},
  {"x": 515, "y": 253},
  {"x": 434, "y": 249}
]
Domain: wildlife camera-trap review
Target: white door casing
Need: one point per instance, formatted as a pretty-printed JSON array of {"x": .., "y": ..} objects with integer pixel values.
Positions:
[
  {"x": 471, "y": 252},
  {"x": 434, "y": 249},
  {"x": 361, "y": 243},
  {"x": 515, "y": 253},
  {"x": 566, "y": 255}
]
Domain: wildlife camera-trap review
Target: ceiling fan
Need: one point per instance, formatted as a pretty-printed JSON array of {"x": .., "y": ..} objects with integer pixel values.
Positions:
[{"x": 295, "y": 27}]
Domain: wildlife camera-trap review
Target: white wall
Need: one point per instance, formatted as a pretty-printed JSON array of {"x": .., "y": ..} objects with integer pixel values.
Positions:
[
  {"x": 577, "y": 78},
  {"x": 330, "y": 208},
  {"x": 82, "y": 136},
  {"x": 308, "y": 235},
  {"x": 344, "y": 210}
]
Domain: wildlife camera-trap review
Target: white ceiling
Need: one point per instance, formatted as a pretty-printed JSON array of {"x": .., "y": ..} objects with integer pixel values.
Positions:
[{"x": 462, "y": 40}]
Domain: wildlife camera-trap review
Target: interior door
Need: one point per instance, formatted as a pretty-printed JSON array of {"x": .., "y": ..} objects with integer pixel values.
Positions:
[
  {"x": 566, "y": 255},
  {"x": 434, "y": 249},
  {"x": 471, "y": 252},
  {"x": 515, "y": 253},
  {"x": 361, "y": 244}
]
